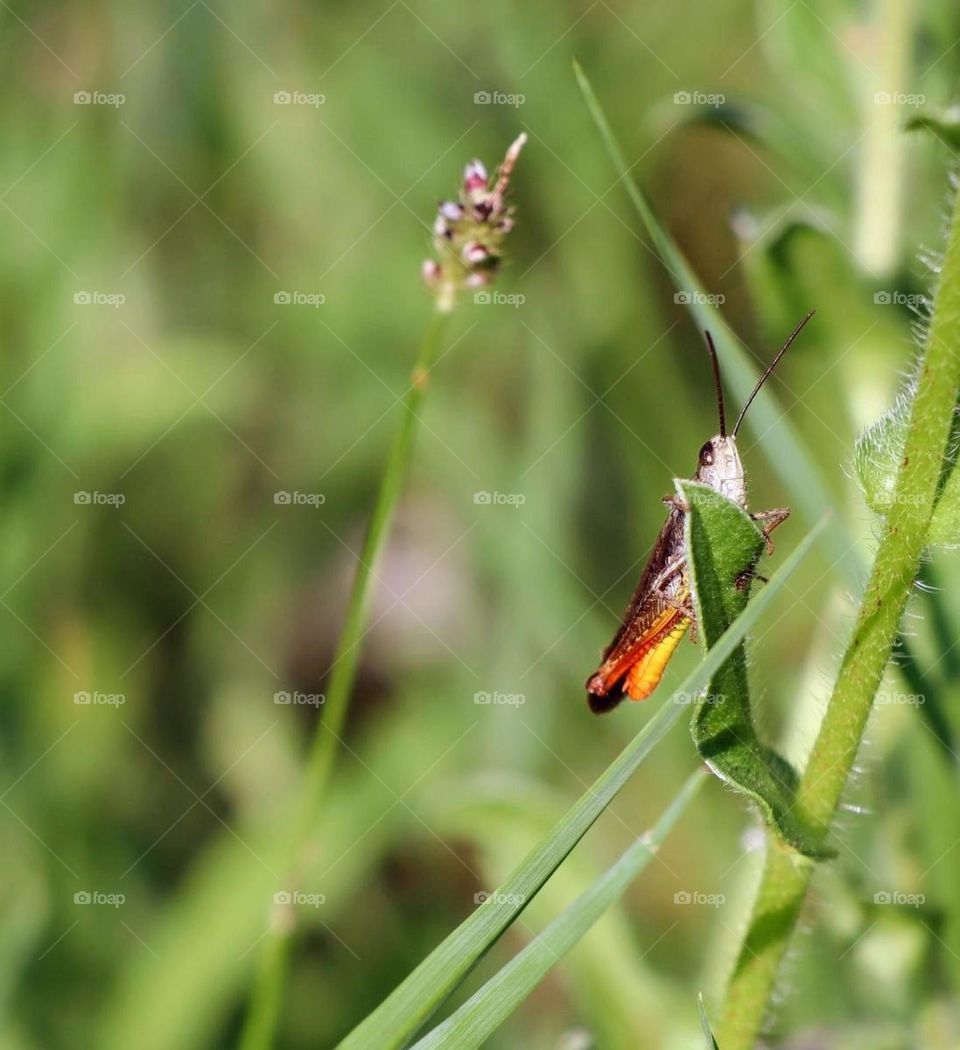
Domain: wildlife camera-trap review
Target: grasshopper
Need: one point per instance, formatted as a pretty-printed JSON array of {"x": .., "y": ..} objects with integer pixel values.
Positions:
[{"x": 661, "y": 609}]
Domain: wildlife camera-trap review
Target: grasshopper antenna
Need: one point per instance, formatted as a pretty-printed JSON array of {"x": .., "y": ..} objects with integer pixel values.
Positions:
[
  {"x": 716, "y": 382},
  {"x": 773, "y": 364}
]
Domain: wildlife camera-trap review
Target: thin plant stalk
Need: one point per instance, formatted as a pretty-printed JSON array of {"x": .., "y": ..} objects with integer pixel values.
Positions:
[
  {"x": 881, "y": 168},
  {"x": 468, "y": 238},
  {"x": 347, "y": 656},
  {"x": 786, "y": 876},
  {"x": 274, "y": 958}
]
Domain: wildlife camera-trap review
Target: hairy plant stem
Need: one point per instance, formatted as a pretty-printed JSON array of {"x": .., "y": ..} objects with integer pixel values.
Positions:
[
  {"x": 786, "y": 876},
  {"x": 267, "y": 995}
]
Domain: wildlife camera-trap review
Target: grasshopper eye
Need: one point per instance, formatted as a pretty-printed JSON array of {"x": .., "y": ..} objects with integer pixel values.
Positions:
[{"x": 706, "y": 455}]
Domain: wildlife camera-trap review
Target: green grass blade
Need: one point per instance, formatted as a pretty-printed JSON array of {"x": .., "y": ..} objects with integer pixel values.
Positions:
[
  {"x": 768, "y": 421},
  {"x": 274, "y": 955},
  {"x": 409, "y": 1007},
  {"x": 708, "y": 1041},
  {"x": 489, "y": 1007}
]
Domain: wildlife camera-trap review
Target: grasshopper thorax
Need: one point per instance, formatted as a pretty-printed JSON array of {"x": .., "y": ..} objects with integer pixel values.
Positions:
[{"x": 719, "y": 466}]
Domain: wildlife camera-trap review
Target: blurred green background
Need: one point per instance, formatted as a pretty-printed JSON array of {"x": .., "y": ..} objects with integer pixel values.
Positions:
[{"x": 158, "y": 398}]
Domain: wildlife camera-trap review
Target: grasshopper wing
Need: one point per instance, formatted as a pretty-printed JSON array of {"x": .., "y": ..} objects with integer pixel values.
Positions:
[
  {"x": 652, "y": 627},
  {"x": 635, "y": 665}
]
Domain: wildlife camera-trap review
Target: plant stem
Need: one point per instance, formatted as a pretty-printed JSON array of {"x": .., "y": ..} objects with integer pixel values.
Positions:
[
  {"x": 267, "y": 995},
  {"x": 347, "y": 654},
  {"x": 786, "y": 877},
  {"x": 881, "y": 166}
]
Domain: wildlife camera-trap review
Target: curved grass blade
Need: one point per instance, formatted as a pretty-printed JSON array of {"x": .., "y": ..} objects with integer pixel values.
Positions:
[
  {"x": 614, "y": 991},
  {"x": 708, "y": 1041},
  {"x": 773, "y": 429},
  {"x": 723, "y": 547},
  {"x": 411, "y": 1004},
  {"x": 480, "y": 1016}
]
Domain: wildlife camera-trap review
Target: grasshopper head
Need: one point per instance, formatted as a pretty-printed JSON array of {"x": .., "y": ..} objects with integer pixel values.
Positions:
[{"x": 719, "y": 466}]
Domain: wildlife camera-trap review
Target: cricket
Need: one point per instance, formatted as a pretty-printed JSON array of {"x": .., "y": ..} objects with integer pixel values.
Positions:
[{"x": 661, "y": 609}]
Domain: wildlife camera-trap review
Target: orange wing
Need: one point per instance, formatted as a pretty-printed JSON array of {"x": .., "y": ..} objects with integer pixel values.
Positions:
[
  {"x": 635, "y": 666},
  {"x": 644, "y": 676}
]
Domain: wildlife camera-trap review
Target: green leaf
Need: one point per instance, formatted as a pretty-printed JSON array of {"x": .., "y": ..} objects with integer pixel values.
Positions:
[
  {"x": 723, "y": 547},
  {"x": 708, "y": 1041},
  {"x": 786, "y": 453},
  {"x": 405, "y": 1011},
  {"x": 803, "y": 46},
  {"x": 480, "y": 1016},
  {"x": 877, "y": 458},
  {"x": 764, "y": 243},
  {"x": 789, "y": 261},
  {"x": 943, "y": 123},
  {"x": 771, "y": 135},
  {"x": 737, "y": 116}
]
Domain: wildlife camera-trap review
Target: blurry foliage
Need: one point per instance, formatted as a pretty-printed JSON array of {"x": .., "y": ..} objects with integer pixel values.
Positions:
[{"x": 200, "y": 597}]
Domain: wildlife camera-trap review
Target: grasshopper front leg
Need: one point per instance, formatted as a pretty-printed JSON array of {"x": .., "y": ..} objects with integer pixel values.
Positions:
[{"x": 769, "y": 520}]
